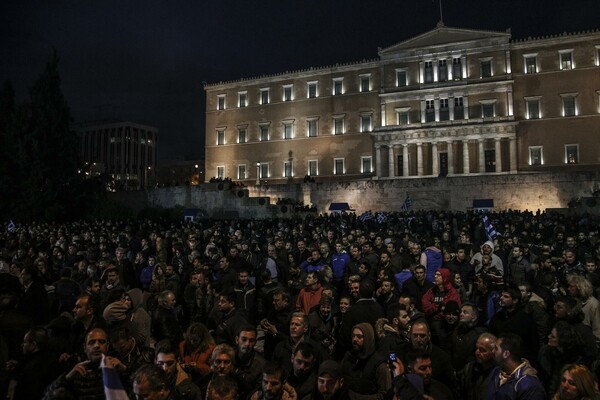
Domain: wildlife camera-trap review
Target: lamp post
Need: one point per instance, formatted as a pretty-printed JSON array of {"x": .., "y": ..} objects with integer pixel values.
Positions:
[
  {"x": 257, "y": 173},
  {"x": 197, "y": 174}
]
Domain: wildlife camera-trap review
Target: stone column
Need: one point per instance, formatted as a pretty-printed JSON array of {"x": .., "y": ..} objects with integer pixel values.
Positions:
[
  {"x": 436, "y": 108},
  {"x": 378, "y": 161},
  {"x": 435, "y": 169},
  {"x": 498, "y": 154},
  {"x": 405, "y": 171},
  {"x": 391, "y": 172},
  {"x": 481, "y": 156},
  {"x": 466, "y": 168},
  {"x": 450, "y": 147},
  {"x": 419, "y": 159},
  {"x": 422, "y": 111},
  {"x": 466, "y": 106},
  {"x": 451, "y": 107},
  {"x": 513, "y": 154}
]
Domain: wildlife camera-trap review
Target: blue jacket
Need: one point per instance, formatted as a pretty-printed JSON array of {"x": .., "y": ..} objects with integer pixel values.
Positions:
[
  {"x": 339, "y": 263},
  {"x": 523, "y": 384}
]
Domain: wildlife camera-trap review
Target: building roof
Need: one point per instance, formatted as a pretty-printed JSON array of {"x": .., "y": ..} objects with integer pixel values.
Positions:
[{"x": 443, "y": 35}]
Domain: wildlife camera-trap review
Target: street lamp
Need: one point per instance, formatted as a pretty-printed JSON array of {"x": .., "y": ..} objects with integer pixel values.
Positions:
[{"x": 257, "y": 173}]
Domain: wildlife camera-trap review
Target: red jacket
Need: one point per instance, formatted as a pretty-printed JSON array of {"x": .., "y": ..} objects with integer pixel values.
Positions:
[
  {"x": 434, "y": 300},
  {"x": 308, "y": 298}
]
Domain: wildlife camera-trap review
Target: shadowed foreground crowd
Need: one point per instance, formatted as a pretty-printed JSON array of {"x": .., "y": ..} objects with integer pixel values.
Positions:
[{"x": 416, "y": 306}]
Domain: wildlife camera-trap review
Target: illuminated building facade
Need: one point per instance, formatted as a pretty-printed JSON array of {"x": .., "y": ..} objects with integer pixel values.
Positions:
[
  {"x": 445, "y": 103},
  {"x": 124, "y": 150}
]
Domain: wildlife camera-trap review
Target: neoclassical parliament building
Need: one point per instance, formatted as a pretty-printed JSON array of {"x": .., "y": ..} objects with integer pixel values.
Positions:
[{"x": 449, "y": 102}]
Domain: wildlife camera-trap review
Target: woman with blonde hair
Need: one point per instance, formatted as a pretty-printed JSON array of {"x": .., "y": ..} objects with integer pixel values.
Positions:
[{"x": 577, "y": 383}]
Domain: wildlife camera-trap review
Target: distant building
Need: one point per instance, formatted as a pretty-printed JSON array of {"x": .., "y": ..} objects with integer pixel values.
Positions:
[
  {"x": 180, "y": 172},
  {"x": 124, "y": 150},
  {"x": 448, "y": 102}
]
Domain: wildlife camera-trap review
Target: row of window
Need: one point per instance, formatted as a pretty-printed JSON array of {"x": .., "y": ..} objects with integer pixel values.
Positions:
[
  {"x": 288, "y": 129},
  {"x": 536, "y": 154},
  {"x": 569, "y": 106},
  {"x": 312, "y": 91},
  {"x": 454, "y": 68},
  {"x": 288, "y": 170}
]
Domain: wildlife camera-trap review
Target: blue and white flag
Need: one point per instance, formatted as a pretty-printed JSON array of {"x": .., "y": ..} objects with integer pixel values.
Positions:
[
  {"x": 113, "y": 388},
  {"x": 11, "y": 226},
  {"x": 407, "y": 205},
  {"x": 489, "y": 229},
  {"x": 381, "y": 217},
  {"x": 367, "y": 215}
]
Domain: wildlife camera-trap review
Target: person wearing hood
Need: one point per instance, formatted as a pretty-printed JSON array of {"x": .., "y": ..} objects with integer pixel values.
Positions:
[
  {"x": 513, "y": 377},
  {"x": 436, "y": 299},
  {"x": 365, "y": 370},
  {"x": 139, "y": 317},
  {"x": 487, "y": 248}
]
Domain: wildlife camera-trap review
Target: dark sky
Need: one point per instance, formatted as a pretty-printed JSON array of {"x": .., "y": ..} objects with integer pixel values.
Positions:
[{"x": 146, "y": 60}]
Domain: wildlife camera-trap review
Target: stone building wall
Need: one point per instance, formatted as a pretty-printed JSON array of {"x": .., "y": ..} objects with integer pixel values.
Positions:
[{"x": 515, "y": 191}]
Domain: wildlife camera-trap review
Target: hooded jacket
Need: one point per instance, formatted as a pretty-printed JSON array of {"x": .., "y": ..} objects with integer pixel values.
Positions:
[
  {"x": 435, "y": 300},
  {"x": 366, "y": 371}
]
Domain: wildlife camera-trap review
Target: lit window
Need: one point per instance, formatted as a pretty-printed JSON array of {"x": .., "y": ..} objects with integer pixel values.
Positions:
[
  {"x": 366, "y": 164},
  {"x": 536, "y": 155},
  {"x": 312, "y": 126},
  {"x": 429, "y": 110},
  {"x": 444, "y": 110},
  {"x": 264, "y": 170},
  {"x": 456, "y": 68},
  {"x": 401, "y": 77},
  {"x": 459, "y": 110},
  {"x": 403, "y": 115},
  {"x": 220, "y": 171},
  {"x": 264, "y": 96},
  {"x": 428, "y": 71},
  {"x": 221, "y": 137},
  {"x": 442, "y": 71},
  {"x": 242, "y": 171},
  {"x": 365, "y": 123},
  {"x": 242, "y": 135},
  {"x": 569, "y": 105},
  {"x": 338, "y": 86},
  {"x": 221, "y": 102},
  {"x": 287, "y": 169},
  {"x": 566, "y": 59},
  {"x": 488, "y": 109},
  {"x": 486, "y": 68},
  {"x": 264, "y": 133},
  {"x": 242, "y": 99},
  {"x": 338, "y": 166},
  {"x": 530, "y": 61},
  {"x": 338, "y": 125},
  {"x": 288, "y": 130},
  {"x": 288, "y": 92},
  {"x": 365, "y": 83},
  {"x": 312, "y": 90},
  {"x": 313, "y": 167},
  {"x": 533, "y": 107},
  {"x": 572, "y": 154}
]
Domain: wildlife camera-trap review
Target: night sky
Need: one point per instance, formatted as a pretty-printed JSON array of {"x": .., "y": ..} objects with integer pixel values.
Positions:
[{"x": 146, "y": 60}]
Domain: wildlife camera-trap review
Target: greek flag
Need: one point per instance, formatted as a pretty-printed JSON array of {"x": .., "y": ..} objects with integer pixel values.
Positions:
[
  {"x": 489, "y": 228},
  {"x": 381, "y": 218},
  {"x": 366, "y": 216},
  {"x": 11, "y": 226},
  {"x": 113, "y": 388},
  {"x": 407, "y": 205}
]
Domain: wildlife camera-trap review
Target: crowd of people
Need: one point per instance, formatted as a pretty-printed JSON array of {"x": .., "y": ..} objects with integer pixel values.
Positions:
[{"x": 412, "y": 305}]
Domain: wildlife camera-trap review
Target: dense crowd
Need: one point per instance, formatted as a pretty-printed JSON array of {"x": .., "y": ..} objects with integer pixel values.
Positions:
[{"x": 414, "y": 305}]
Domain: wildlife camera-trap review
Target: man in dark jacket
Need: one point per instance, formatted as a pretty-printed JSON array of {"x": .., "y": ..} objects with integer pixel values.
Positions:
[
  {"x": 164, "y": 321},
  {"x": 84, "y": 381},
  {"x": 366, "y": 310},
  {"x": 232, "y": 320},
  {"x": 365, "y": 371},
  {"x": 417, "y": 286}
]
